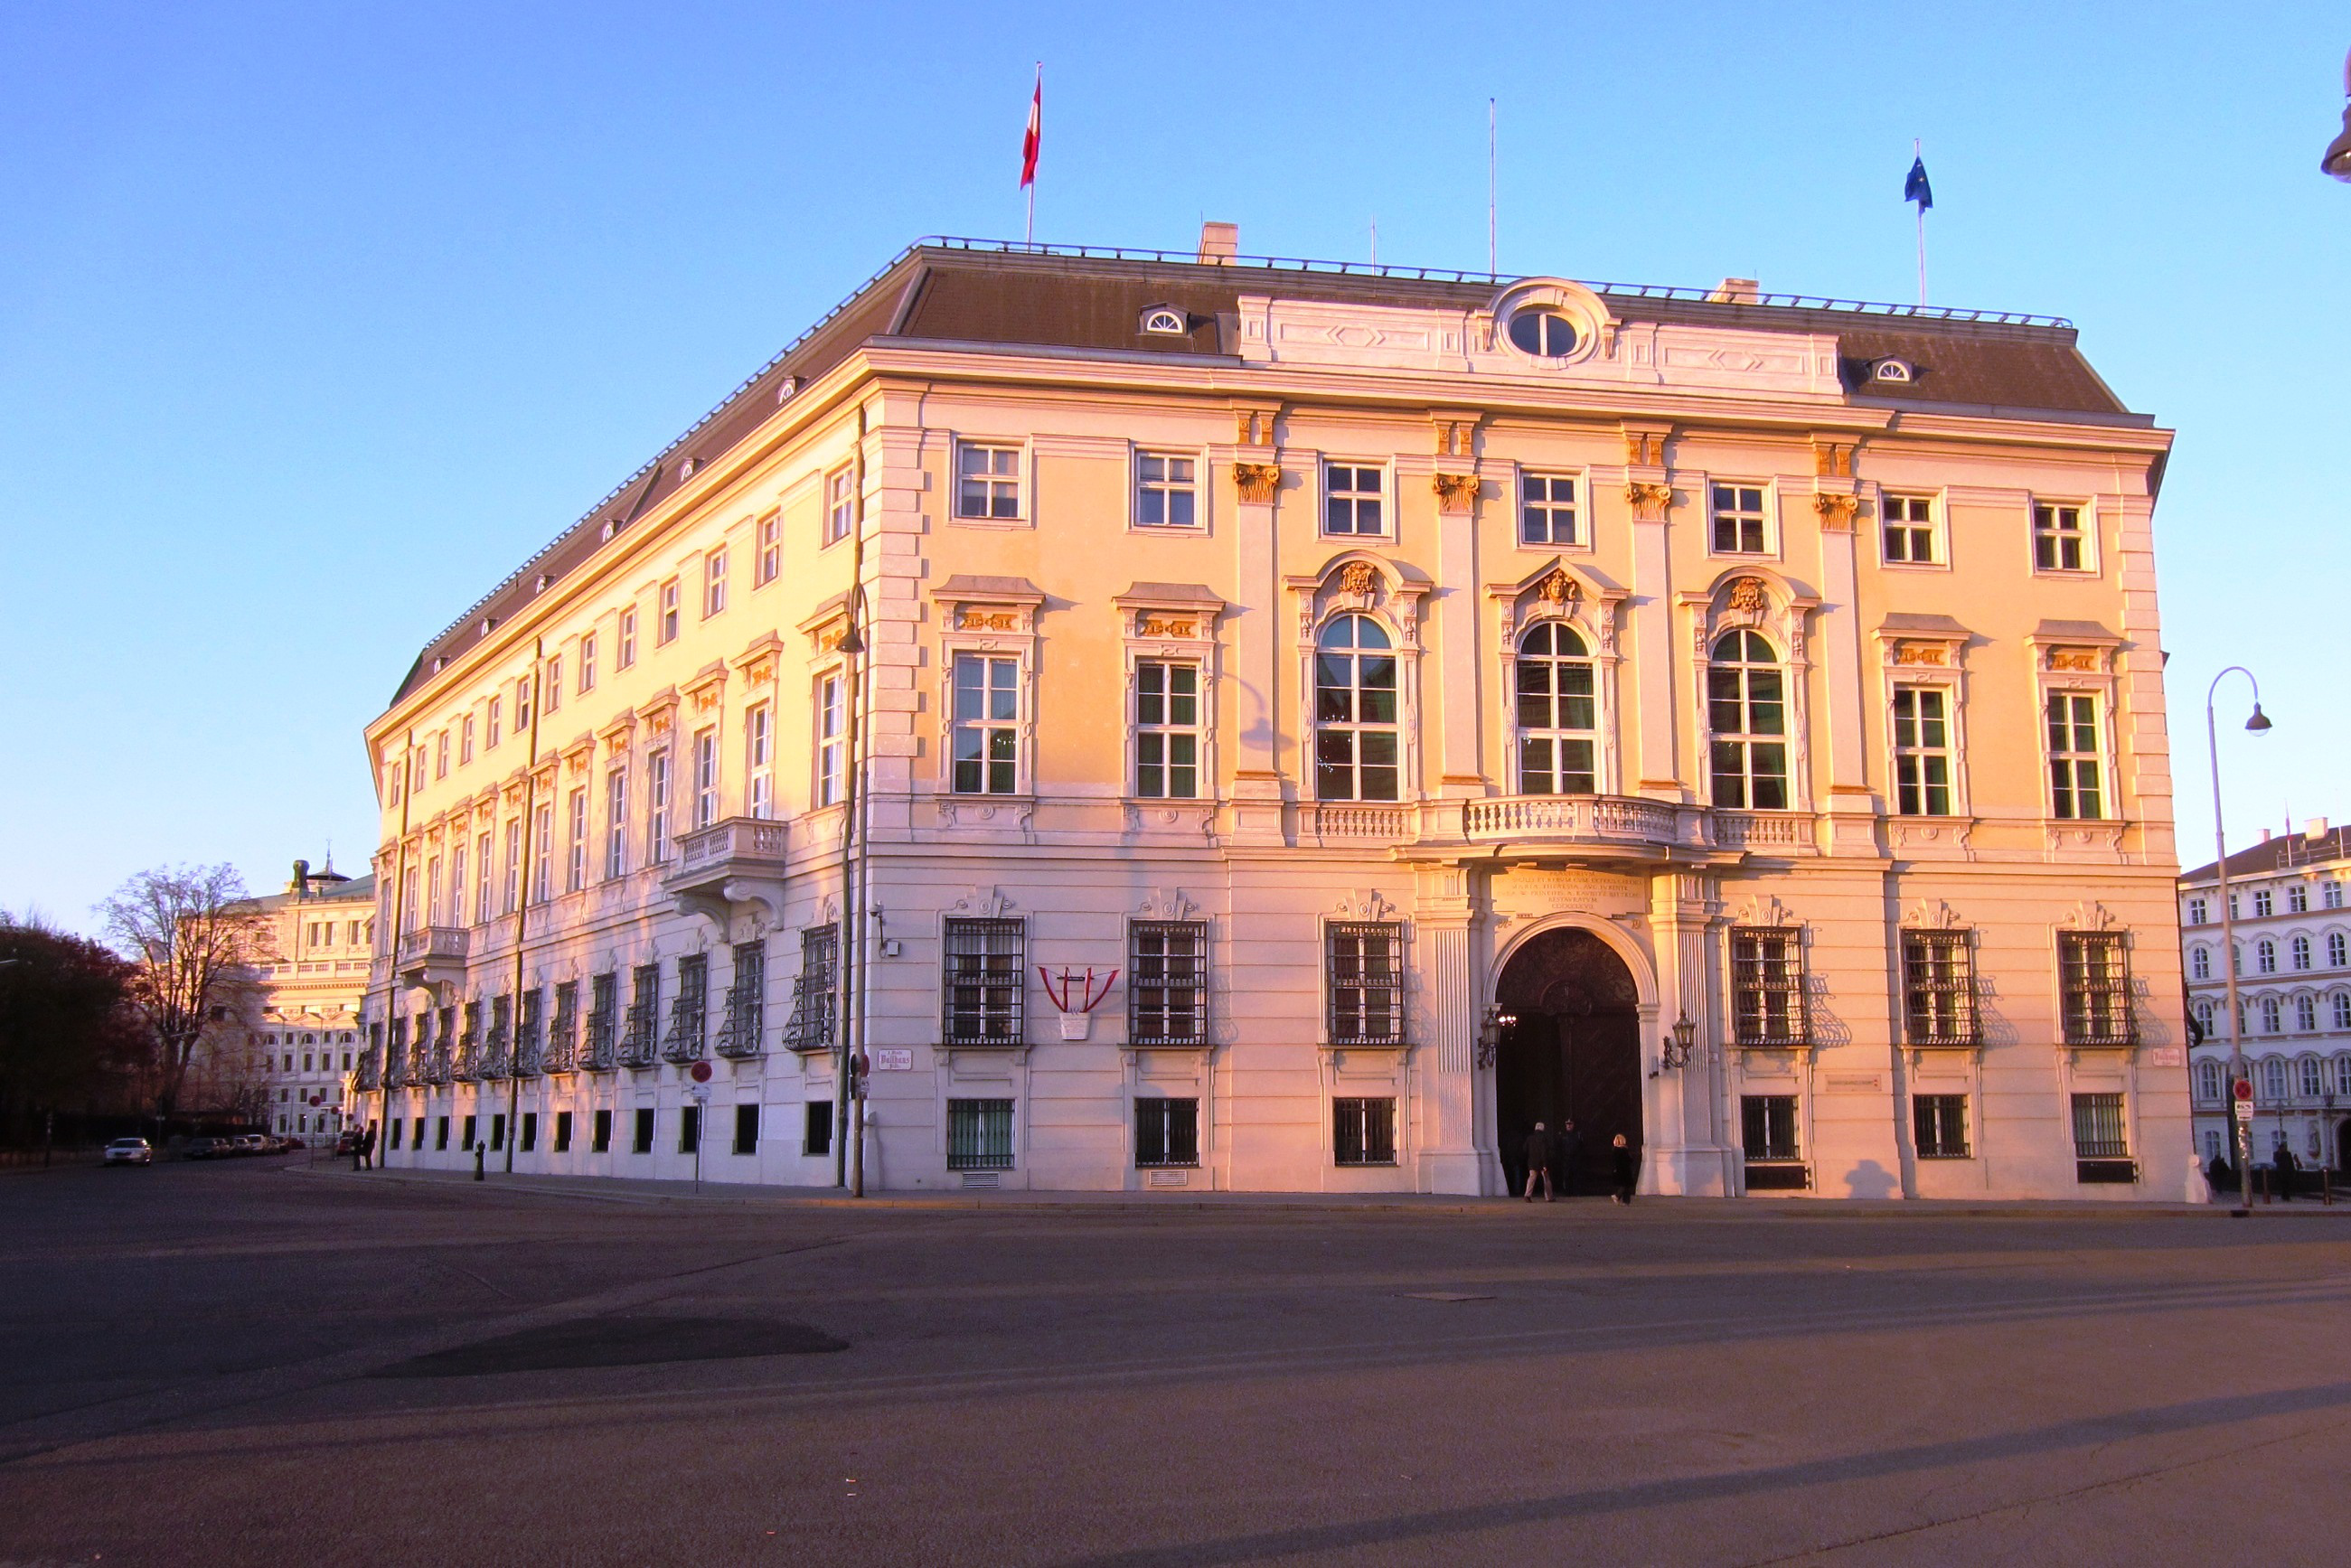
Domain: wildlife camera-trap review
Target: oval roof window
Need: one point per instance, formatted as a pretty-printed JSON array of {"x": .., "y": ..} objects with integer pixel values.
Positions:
[{"x": 1546, "y": 334}]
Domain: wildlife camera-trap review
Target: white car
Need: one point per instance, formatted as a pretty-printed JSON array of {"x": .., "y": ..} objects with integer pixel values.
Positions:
[{"x": 129, "y": 1152}]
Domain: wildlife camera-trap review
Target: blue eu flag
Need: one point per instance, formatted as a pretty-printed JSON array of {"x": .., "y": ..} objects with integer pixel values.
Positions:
[{"x": 1916, "y": 189}]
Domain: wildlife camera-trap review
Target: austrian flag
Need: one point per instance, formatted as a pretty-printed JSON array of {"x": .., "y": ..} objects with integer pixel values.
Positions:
[{"x": 1036, "y": 127}]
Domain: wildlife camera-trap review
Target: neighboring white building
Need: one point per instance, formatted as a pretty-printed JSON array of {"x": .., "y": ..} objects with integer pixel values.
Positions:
[
  {"x": 303, "y": 1041},
  {"x": 2293, "y": 986}
]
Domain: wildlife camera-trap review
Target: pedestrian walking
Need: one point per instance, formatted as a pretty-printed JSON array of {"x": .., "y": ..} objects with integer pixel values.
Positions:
[
  {"x": 1570, "y": 1144},
  {"x": 1625, "y": 1169},
  {"x": 358, "y": 1149},
  {"x": 2287, "y": 1165},
  {"x": 367, "y": 1147},
  {"x": 1539, "y": 1163}
]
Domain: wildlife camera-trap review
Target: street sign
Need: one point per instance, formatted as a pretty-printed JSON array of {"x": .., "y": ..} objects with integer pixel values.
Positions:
[
  {"x": 2242, "y": 1091},
  {"x": 700, "y": 1072},
  {"x": 2245, "y": 1110}
]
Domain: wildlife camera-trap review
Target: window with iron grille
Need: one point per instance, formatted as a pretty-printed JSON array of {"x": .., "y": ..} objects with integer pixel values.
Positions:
[
  {"x": 689, "y": 1014},
  {"x": 1363, "y": 1132},
  {"x": 602, "y": 1041},
  {"x": 1166, "y": 1133},
  {"x": 1939, "y": 1123},
  {"x": 2098, "y": 1132},
  {"x": 1364, "y": 978},
  {"x": 1938, "y": 994},
  {"x": 641, "y": 1043},
  {"x": 980, "y": 1135},
  {"x": 1767, "y": 985},
  {"x": 813, "y": 990},
  {"x": 740, "y": 1035},
  {"x": 527, "y": 1036},
  {"x": 1767, "y": 1124},
  {"x": 563, "y": 1035},
  {"x": 2093, "y": 984},
  {"x": 986, "y": 960},
  {"x": 496, "y": 1044},
  {"x": 1167, "y": 982}
]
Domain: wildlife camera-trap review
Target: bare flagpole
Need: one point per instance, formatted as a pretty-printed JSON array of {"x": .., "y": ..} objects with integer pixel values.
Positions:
[{"x": 1492, "y": 190}]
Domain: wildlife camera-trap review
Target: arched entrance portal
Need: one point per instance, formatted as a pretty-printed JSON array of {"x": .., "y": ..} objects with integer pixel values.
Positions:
[{"x": 1573, "y": 1055}]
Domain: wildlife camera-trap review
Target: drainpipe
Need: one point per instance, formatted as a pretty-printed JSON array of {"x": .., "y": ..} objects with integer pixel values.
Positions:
[
  {"x": 522, "y": 918},
  {"x": 392, "y": 939},
  {"x": 849, "y": 1153}
]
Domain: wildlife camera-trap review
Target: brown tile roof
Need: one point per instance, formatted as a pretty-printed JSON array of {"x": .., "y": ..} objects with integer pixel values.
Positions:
[{"x": 1093, "y": 301}]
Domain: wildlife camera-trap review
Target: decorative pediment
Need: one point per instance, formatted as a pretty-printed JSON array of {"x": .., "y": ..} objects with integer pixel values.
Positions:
[
  {"x": 756, "y": 664},
  {"x": 1170, "y": 611},
  {"x": 707, "y": 687},
  {"x": 985, "y": 903},
  {"x": 1753, "y": 597},
  {"x": 988, "y": 605},
  {"x": 617, "y": 734},
  {"x": 826, "y": 624},
  {"x": 659, "y": 711},
  {"x": 1932, "y": 914},
  {"x": 1365, "y": 904},
  {"x": 1909, "y": 641},
  {"x": 579, "y": 755},
  {"x": 1766, "y": 910},
  {"x": 1168, "y": 904},
  {"x": 1557, "y": 591},
  {"x": 1356, "y": 580},
  {"x": 2090, "y": 915},
  {"x": 2075, "y": 647}
]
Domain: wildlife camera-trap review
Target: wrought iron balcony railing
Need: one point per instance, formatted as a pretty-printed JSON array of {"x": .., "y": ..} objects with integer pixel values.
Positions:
[
  {"x": 562, "y": 1038},
  {"x": 641, "y": 1044},
  {"x": 689, "y": 1032},
  {"x": 395, "y": 1067},
  {"x": 738, "y": 1035},
  {"x": 527, "y": 1049},
  {"x": 810, "y": 1028},
  {"x": 371, "y": 1071},
  {"x": 497, "y": 1059},
  {"x": 443, "y": 1068},
  {"x": 600, "y": 1053},
  {"x": 469, "y": 1058}
]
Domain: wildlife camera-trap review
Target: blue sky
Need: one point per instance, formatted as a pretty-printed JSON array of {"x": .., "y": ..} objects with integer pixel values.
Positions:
[{"x": 315, "y": 320}]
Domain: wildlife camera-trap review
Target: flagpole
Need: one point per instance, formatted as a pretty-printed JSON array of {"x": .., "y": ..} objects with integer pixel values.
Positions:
[
  {"x": 1029, "y": 230},
  {"x": 1918, "y": 155},
  {"x": 1493, "y": 265}
]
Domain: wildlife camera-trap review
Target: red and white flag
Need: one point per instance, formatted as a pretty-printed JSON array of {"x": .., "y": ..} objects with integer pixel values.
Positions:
[{"x": 1036, "y": 127}]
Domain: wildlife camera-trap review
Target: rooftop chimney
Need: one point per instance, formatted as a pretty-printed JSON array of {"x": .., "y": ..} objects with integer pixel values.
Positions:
[
  {"x": 1220, "y": 243},
  {"x": 1737, "y": 291},
  {"x": 2265, "y": 835},
  {"x": 2315, "y": 827}
]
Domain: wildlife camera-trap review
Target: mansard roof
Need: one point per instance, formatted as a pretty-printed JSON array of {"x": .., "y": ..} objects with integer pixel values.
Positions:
[{"x": 1085, "y": 300}]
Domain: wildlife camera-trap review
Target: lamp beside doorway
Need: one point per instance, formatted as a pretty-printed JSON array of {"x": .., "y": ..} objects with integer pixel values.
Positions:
[
  {"x": 1679, "y": 1044},
  {"x": 1491, "y": 1031}
]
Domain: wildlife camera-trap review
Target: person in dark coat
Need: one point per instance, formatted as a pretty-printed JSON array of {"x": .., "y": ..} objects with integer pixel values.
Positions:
[
  {"x": 367, "y": 1147},
  {"x": 1539, "y": 1163},
  {"x": 1626, "y": 1168},
  {"x": 1571, "y": 1143},
  {"x": 2287, "y": 1165}
]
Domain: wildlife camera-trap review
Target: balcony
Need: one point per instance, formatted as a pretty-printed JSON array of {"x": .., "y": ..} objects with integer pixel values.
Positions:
[
  {"x": 738, "y": 1035},
  {"x": 727, "y": 868},
  {"x": 526, "y": 1050},
  {"x": 433, "y": 955},
  {"x": 495, "y": 1061},
  {"x": 444, "y": 1069},
  {"x": 689, "y": 1032},
  {"x": 600, "y": 1053},
  {"x": 370, "y": 1070},
  {"x": 561, "y": 1040},
  {"x": 469, "y": 1059},
  {"x": 641, "y": 1045},
  {"x": 1616, "y": 822},
  {"x": 810, "y": 1028}
]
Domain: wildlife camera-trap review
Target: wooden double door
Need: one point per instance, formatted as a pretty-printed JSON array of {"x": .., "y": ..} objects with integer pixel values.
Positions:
[{"x": 1573, "y": 1055}]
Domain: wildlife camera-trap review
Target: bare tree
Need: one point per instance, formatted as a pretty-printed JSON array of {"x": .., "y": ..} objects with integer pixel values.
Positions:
[{"x": 194, "y": 939}]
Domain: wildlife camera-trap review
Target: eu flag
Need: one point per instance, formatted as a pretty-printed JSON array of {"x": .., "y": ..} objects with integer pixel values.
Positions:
[{"x": 1916, "y": 189}]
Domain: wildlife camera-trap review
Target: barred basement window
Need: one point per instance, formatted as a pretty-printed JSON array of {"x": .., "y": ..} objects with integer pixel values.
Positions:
[
  {"x": 812, "y": 992},
  {"x": 986, "y": 960},
  {"x": 1166, "y": 1133},
  {"x": 1939, "y": 998},
  {"x": 1363, "y": 1132},
  {"x": 1364, "y": 978},
  {"x": 2101, "y": 1143},
  {"x": 1767, "y": 1125},
  {"x": 1167, "y": 986},
  {"x": 2094, "y": 986},
  {"x": 980, "y": 1135},
  {"x": 1767, "y": 986},
  {"x": 1940, "y": 1122}
]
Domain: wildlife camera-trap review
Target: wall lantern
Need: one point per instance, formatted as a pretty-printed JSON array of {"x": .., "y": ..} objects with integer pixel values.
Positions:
[
  {"x": 1674, "y": 1050},
  {"x": 1490, "y": 1033}
]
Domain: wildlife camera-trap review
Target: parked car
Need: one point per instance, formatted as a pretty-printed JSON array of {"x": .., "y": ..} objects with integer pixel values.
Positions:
[
  {"x": 129, "y": 1152},
  {"x": 348, "y": 1141},
  {"x": 206, "y": 1149},
  {"x": 252, "y": 1143}
]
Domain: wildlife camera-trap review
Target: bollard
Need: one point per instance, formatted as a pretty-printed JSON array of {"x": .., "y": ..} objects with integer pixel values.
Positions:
[{"x": 478, "y": 1162}]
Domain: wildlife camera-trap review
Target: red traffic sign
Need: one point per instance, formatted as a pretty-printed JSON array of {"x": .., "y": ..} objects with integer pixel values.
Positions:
[
  {"x": 701, "y": 1071},
  {"x": 2242, "y": 1088}
]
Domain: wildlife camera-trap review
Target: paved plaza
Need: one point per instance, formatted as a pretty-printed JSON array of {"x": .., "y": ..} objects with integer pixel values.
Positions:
[{"x": 257, "y": 1362}]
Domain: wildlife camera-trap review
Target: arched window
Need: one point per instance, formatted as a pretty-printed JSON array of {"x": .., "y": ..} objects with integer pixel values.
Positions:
[
  {"x": 2298, "y": 952},
  {"x": 2208, "y": 1080},
  {"x": 1747, "y": 712},
  {"x": 2265, "y": 957},
  {"x": 2272, "y": 1079},
  {"x": 2342, "y": 1010},
  {"x": 2236, "y": 958},
  {"x": 2338, "y": 952},
  {"x": 2270, "y": 1018},
  {"x": 1556, "y": 713},
  {"x": 2305, "y": 1014},
  {"x": 2308, "y": 1072},
  {"x": 1355, "y": 735},
  {"x": 2199, "y": 962}
]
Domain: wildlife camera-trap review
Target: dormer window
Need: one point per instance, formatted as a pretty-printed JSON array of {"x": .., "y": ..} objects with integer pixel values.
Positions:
[
  {"x": 1165, "y": 320},
  {"x": 1546, "y": 334},
  {"x": 1897, "y": 371}
]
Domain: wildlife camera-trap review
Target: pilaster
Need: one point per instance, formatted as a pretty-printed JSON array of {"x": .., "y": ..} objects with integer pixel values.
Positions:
[
  {"x": 1257, "y": 789},
  {"x": 1648, "y": 494},
  {"x": 1449, "y": 920},
  {"x": 1689, "y": 1148},
  {"x": 1852, "y": 810}
]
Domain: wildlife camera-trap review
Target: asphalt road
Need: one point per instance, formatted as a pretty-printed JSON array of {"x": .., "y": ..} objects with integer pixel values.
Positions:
[{"x": 245, "y": 1363}]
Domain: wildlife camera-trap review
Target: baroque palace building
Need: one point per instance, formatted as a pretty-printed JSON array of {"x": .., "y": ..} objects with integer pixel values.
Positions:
[
  {"x": 304, "y": 998},
  {"x": 2294, "y": 993},
  {"x": 1282, "y": 726}
]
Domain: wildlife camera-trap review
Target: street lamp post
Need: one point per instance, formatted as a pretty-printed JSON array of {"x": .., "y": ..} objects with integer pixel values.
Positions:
[{"x": 2241, "y": 1127}]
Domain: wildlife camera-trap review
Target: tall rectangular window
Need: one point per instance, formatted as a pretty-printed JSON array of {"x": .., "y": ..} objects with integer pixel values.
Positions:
[
  {"x": 831, "y": 737},
  {"x": 714, "y": 584},
  {"x": 689, "y": 1011},
  {"x": 514, "y": 865},
  {"x": 1167, "y": 983},
  {"x": 1547, "y": 510},
  {"x": 758, "y": 761},
  {"x": 457, "y": 881},
  {"x": 657, "y": 807},
  {"x": 987, "y": 481},
  {"x": 1353, "y": 499},
  {"x": 1737, "y": 512},
  {"x": 1166, "y": 1133},
  {"x": 599, "y": 1133},
  {"x": 562, "y": 1131},
  {"x": 552, "y": 684},
  {"x": 587, "y": 663},
  {"x": 987, "y": 724},
  {"x": 689, "y": 1129},
  {"x": 1364, "y": 982},
  {"x": 2059, "y": 540},
  {"x": 705, "y": 778},
  {"x": 1910, "y": 531},
  {"x": 980, "y": 1135},
  {"x": 616, "y": 822},
  {"x": 575, "y": 856},
  {"x": 816, "y": 1128},
  {"x": 665, "y": 622},
  {"x": 1767, "y": 986},
  {"x": 2099, "y": 1132},
  {"x": 983, "y": 982},
  {"x": 1166, "y": 730},
  {"x": 482, "y": 877},
  {"x": 626, "y": 654},
  {"x": 490, "y": 736},
  {"x": 2075, "y": 773},
  {"x": 2093, "y": 987},
  {"x": 432, "y": 900},
  {"x": 742, "y": 1032},
  {"x": 1939, "y": 995},
  {"x": 522, "y": 706},
  {"x": 1922, "y": 751},
  {"x": 542, "y": 870},
  {"x": 841, "y": 502},
  {"x": 814, "y": 991},
  {"x": 441, "y": 755},
  {"x": 642, "y": 1139},
  {"x": 1165, "y": 491},
  {"x": 1363, "y": 1131},
  {"x": 771, "y": 550},
  {"x": 465, "y": 740}
]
